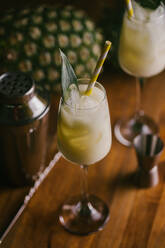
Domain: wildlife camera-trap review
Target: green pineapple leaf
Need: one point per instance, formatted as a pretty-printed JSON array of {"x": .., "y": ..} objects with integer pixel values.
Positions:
[
  {"x": 151, "y": 4},
  {"x": 68, "y": 76}
]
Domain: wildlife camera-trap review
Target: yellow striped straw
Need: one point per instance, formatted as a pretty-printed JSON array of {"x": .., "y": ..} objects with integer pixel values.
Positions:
[
  {"x": 98, "y": 67},
  {"x": 129, "y": 7}
]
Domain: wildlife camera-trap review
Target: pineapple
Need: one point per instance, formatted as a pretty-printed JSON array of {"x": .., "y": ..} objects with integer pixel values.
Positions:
[{"x": 30, "y": 40}]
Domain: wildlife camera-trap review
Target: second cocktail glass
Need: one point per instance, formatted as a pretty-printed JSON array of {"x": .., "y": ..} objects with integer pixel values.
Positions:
[
  {"x": 141, "y": 54},
  {"x": 84, "y": 138}
]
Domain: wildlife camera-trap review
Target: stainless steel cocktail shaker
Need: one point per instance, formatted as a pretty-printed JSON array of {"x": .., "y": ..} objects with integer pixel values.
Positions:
[{"x": 23, "y": 128}]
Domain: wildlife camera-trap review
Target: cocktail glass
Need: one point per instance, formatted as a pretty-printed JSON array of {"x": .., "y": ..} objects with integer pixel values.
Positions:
[
  {"x": 141, "y": 54},
  {"x": 84, "y": 138}
]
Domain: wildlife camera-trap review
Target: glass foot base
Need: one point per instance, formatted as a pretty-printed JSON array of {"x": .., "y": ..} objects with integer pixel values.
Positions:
[
  {"x": 125, "y": 131},
  {"x": 83, "y": 217}
]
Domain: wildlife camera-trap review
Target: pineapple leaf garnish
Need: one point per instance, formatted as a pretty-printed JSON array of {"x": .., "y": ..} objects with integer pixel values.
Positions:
[
  {"x": 151, "y": 4},
  {"x": 68, "y": 76}
]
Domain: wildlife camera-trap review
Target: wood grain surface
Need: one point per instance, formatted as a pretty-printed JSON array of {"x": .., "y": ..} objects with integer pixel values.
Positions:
[{"x": 136, "y": 215}]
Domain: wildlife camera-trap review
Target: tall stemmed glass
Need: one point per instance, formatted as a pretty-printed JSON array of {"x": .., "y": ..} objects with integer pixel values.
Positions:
[
  {"x": 141, "y": 54},
  {"x": 84, "y": 137}
]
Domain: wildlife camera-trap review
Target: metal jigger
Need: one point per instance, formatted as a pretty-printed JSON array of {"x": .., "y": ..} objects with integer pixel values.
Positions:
[{"x": 148, "y": 148}]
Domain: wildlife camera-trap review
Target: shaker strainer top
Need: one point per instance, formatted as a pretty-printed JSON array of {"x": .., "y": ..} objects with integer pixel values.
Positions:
[{"x": 15, "y": 86}]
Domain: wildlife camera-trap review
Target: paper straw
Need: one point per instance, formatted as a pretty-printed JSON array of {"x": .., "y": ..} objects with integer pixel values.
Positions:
[
  {"x": 130, "y": 8},
  {"x": 98, "y": 67}
]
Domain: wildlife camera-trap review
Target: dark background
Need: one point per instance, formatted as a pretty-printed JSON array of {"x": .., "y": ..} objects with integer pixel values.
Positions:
[{"x": 93, "y": 7}]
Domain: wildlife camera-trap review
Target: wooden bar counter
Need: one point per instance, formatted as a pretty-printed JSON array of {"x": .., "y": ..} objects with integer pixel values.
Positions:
[{"x": 137, "y": 218}]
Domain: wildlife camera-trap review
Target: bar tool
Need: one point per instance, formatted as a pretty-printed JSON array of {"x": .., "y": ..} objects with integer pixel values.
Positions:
[
  {"x": 23, "y": 128},
  {"x": 148, "y": 148}
]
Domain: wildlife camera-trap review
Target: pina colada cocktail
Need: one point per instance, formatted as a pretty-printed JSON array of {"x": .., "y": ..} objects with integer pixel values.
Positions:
[
  {"x": 84, "y": 137},
  {"x": 141, "y": 54},
  {"x": 142, "y": 42},
  {"x": 84, "y": 133}
]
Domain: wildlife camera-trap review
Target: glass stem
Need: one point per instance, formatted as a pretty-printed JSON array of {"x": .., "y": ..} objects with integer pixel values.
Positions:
[
  {"x": 84, "y": 207},
  {"x": 84, "y": 188},
  {"x": 139, "y": 88}
]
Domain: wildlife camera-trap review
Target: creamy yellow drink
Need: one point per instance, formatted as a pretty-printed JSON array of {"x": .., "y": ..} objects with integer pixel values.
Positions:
[
  {"x": 142, "y": 41},
  {"x": 84, "y": 131}
]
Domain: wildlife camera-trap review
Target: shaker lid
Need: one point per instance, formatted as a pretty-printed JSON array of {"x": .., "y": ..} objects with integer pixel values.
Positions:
[{"x": 15, "y": 87}]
